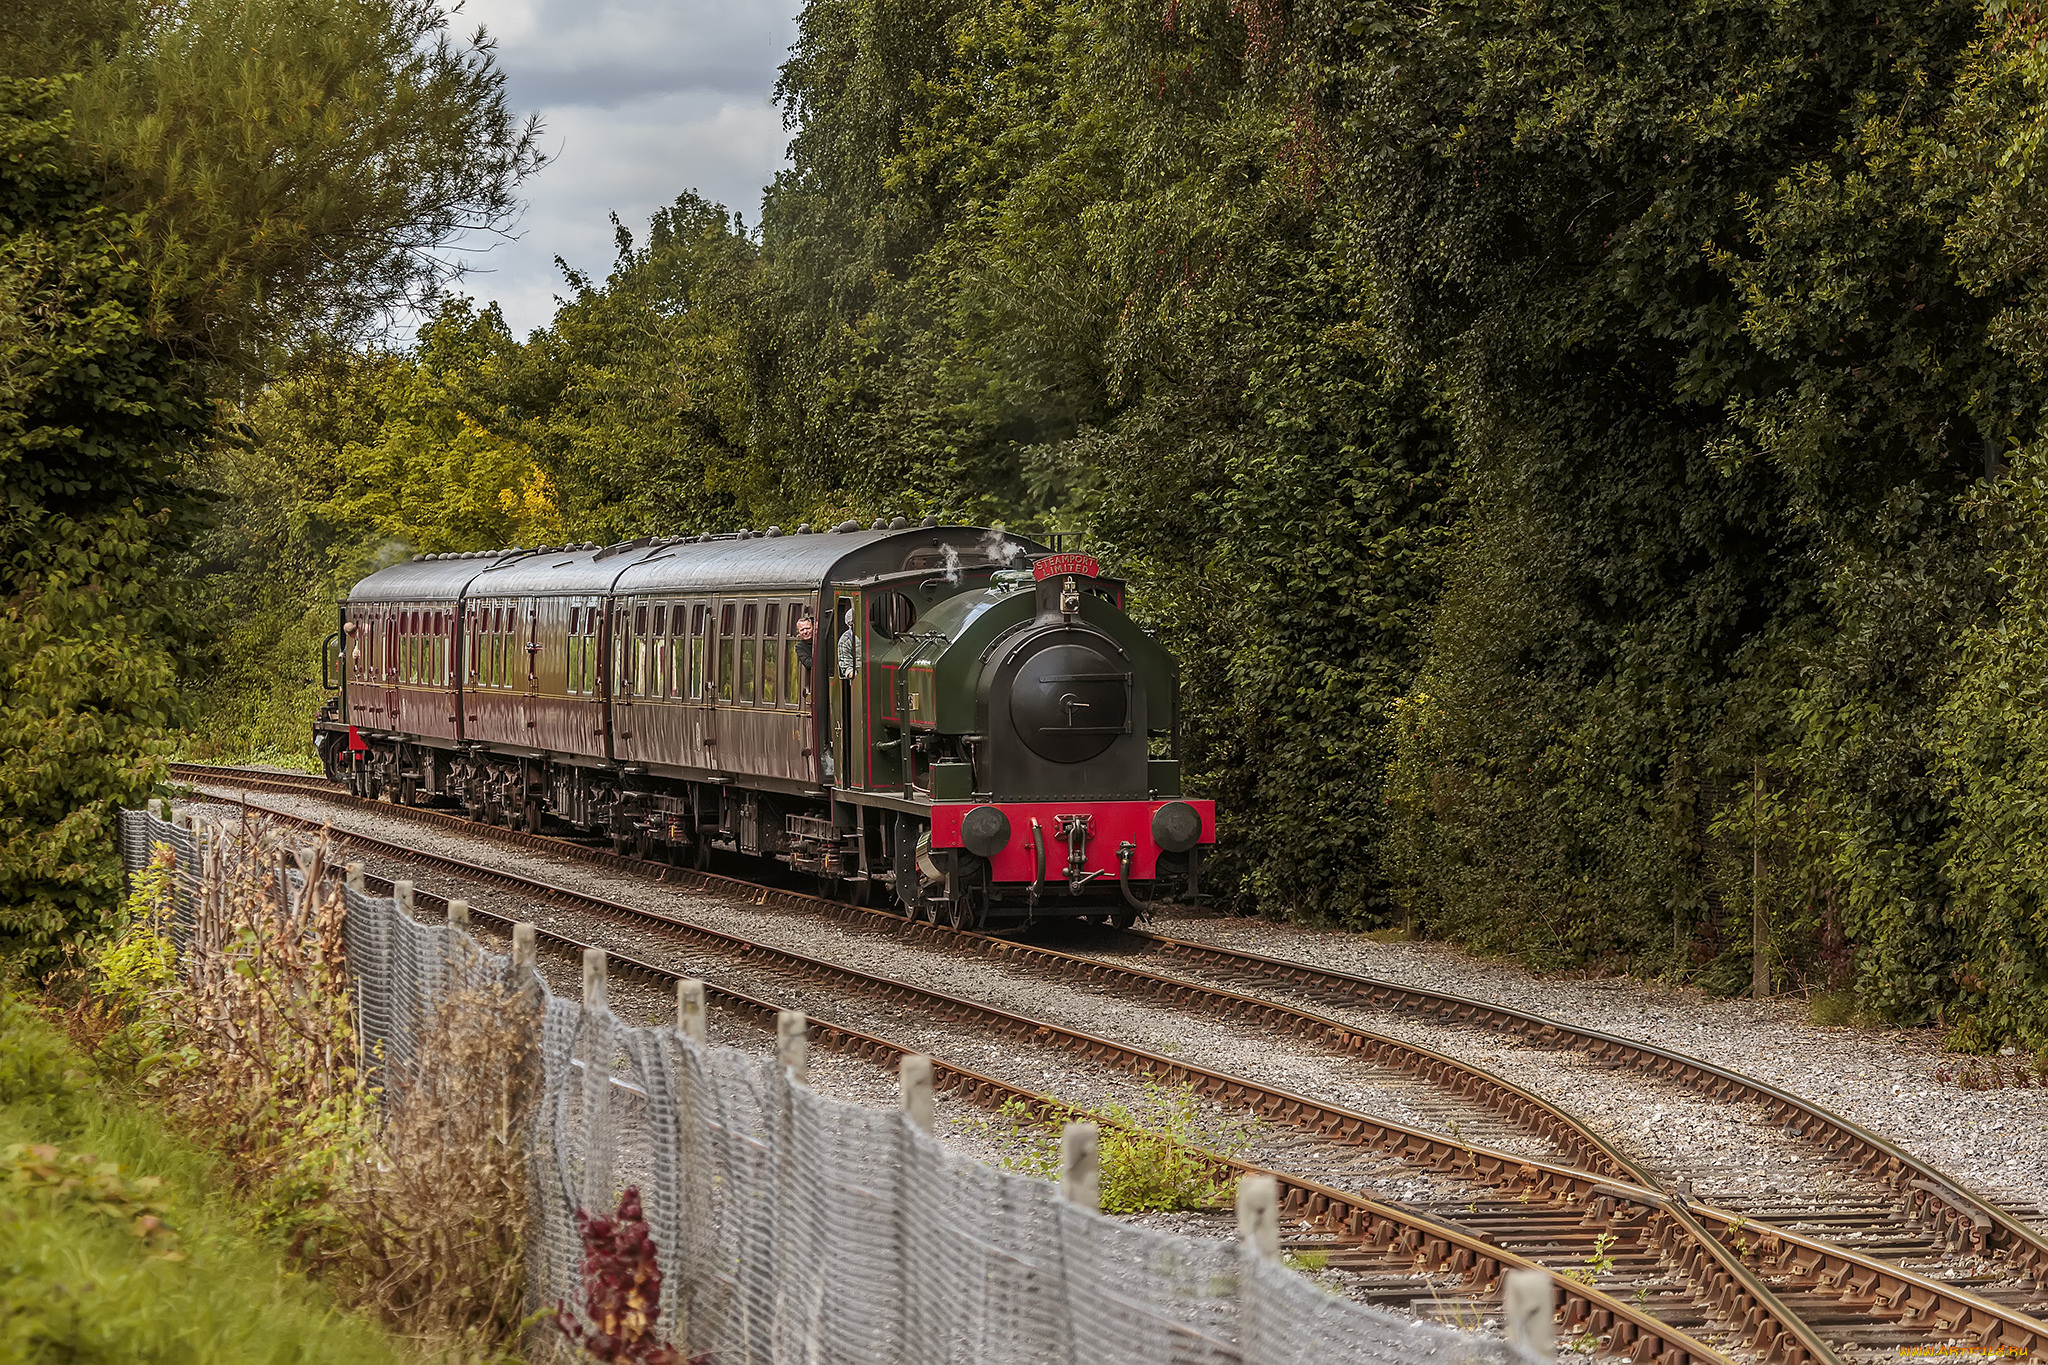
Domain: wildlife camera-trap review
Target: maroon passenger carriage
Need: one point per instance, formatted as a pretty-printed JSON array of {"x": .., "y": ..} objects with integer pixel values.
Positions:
[{"x": 979, "y": 730}]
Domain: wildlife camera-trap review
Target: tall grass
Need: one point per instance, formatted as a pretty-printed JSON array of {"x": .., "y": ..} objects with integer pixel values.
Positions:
[{"x": 136, "y": 1251}]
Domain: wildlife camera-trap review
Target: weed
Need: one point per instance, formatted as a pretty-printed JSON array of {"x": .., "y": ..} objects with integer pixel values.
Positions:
[
  {"x": 1598, "y": 1264},
  {"x": 83, "y": 1180},
  {"x": 1833, "y": 1009},
  {"x": 1308, "y": 1260},
  {"x": 428, "y": 1230},
  {"x": 1154, "y": 1156},
  {"x": 621, "y": 1291},
  {"x": 1991, "y": 1073}
]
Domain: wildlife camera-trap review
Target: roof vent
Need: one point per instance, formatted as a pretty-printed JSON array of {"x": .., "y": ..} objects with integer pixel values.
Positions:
[
  {"x": 847, "y": 526},
  {"x": 804, "y": 529},
  {"x": 898, "y": 523},
  {"x": 930, "y": 521},
  {"x": 772, "y": 531},
  {"x": 878, "y": 525}
]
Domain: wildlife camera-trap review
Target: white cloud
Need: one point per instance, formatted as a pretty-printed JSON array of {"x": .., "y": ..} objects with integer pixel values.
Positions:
[{"x": 642, "y": 100}]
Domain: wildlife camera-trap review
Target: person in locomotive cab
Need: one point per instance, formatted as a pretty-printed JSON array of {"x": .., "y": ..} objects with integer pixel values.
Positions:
[{"x": 849, "y": 648}]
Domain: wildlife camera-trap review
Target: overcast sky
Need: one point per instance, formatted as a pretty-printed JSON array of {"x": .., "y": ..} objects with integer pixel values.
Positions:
[{"x": 642, "y": 99}]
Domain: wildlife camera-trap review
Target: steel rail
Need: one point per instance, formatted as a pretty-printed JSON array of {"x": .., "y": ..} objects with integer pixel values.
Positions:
[
  {"x": 1737, "y": 1288},
  {"x": 1428, "y": 1245}
]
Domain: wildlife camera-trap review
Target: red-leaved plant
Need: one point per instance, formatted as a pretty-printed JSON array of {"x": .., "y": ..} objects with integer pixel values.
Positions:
[{"x": 621, "y": 1291}]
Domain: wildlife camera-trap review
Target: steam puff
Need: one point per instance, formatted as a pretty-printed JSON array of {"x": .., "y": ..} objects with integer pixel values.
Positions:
[{"x": 998, "y": 548}]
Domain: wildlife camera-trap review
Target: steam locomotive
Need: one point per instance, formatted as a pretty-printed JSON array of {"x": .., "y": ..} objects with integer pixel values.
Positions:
[{"x": 959, "y": 720}]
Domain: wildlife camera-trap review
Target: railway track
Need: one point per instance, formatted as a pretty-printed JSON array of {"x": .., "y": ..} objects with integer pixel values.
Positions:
[{"x": 1788, "y": 1295}]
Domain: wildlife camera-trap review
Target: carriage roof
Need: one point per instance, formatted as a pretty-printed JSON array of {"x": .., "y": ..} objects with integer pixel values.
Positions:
[{"x": 755, "y": 562}]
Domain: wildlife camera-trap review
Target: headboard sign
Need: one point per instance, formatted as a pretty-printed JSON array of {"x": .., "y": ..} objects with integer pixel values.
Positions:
[{"x": 1051, "y": 566}]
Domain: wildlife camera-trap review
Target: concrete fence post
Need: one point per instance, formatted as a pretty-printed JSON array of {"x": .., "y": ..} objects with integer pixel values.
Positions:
[
  {"x": 597, "y": 1084},
  {"x": 914, "y": 1072},
  {"x": 793, "y": 1044},
  {"x": 1081, "y": 1165},
  {"x": 1258, "y": 1214},
  {"x": 401, "y": 892},
  {"x": 525, "y": 957},
  {"x": 690, "y": 1021},
  {"x": 458, "y": 914},
  {"x": 1528, "y": 1305},
  {"x": 352, "y": 875}
]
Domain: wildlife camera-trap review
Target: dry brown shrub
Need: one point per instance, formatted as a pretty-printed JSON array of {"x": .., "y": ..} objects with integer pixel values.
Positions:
[{"x": 433, "y": 1230}]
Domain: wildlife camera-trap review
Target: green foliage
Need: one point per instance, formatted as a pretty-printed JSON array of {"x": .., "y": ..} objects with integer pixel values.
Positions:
[
  {"x": 288, "y": 165},
  {"x": 183, "y": 190},
  {"x": 93, "y": 412}
]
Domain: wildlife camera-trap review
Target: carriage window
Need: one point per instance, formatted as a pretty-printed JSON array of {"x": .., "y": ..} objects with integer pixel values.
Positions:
[
  {"x": 771, "y": 619},
  {"x": 574, "y": 677},
  {"x": 441, "y": 648},
  {"x": 792, "y": 666},
  {"x": 728, "y": 652},
  {"x": 749, "y": 649},
  {"x": 658, "y": 685},
  {"x": 533, "y": 642},
  {"x": 621, "y": 679},
  {"x": 590, "y": 649},
  {"x": 640, "y": 651},
  {"x": 699, "y": 615},
  {"x": 675, "y": 645}
]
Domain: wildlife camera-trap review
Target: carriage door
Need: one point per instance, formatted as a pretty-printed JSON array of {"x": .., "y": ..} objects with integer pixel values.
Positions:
[
  {"x": 527, "y": 661},
  {"x": 697, "y": 672},
  {"x": 392, "y": 620},
  {"x": 584, "y": 673}
]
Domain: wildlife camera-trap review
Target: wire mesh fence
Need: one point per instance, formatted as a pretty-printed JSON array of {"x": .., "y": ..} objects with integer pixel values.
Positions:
[{"x": 793, "y": 1229}]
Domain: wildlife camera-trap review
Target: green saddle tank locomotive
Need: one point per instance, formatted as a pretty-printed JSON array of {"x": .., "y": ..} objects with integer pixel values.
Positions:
[{"x": 952, "y": 718}]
